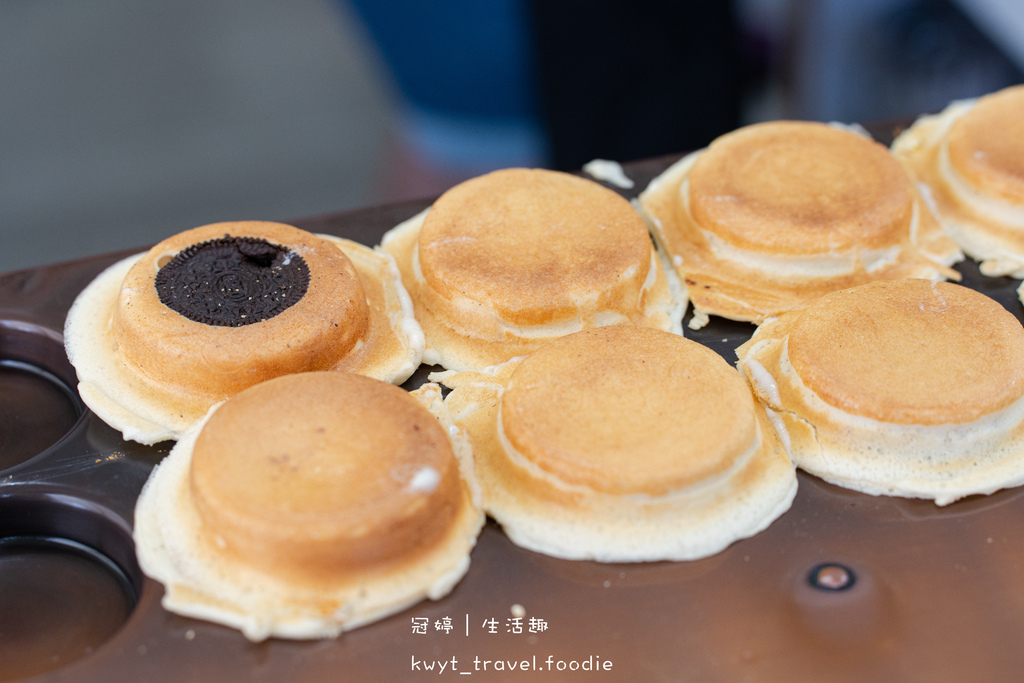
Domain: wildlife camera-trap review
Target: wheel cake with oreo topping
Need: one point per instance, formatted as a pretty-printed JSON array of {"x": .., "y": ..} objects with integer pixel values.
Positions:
[{"x": 158, "y": 338}]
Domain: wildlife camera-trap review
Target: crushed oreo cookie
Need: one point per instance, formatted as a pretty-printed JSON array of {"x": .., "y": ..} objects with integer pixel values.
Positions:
[{"x": 232, "y": 281}]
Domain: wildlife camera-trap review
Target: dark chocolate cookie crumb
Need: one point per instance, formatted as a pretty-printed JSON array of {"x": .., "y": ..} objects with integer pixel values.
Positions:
[{"x": 232, "y": 281}]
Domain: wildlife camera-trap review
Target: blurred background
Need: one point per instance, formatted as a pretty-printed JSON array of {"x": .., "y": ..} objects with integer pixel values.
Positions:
[{"x": 124, "y": 122}]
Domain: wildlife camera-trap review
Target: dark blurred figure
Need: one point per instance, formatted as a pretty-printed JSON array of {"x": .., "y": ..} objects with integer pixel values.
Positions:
[
  {"x": 629, "y": 79},
  {"x": 488, "y": 84},
  {"x": 465, "y": 75},
  {"x": 891, "y": 60},
  {"x": 929, "y": 52}
]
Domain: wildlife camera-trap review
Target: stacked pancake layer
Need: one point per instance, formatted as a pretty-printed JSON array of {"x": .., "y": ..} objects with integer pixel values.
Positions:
[
  {"x": 505, "y": 262},
  {"x": 622, "y": 444},
  {"x": 310, "y": 504},
  {"x": 774, "y": 215},
  {"x": 970, "y": 159},
  {"x": 150, "y": 370},
  {"x": 910, "y": 388}
]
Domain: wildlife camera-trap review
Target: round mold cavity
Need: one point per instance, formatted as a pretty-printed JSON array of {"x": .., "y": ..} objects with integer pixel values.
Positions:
[
  {"x": 68, "y": 580},
  {"x": 38, "y": 404}
]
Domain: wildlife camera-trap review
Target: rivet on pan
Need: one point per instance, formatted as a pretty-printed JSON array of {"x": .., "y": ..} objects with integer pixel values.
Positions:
[{"x": 830, "y": 576}]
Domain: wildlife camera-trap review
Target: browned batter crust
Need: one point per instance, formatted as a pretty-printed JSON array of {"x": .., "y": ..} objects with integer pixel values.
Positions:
[
  {"x": 537, "y": 246},
  {"x": 685, "y": 417},
  {"x": 325, "y": 491},
  {"x": 910, "y": 352},
  {"x": 986, "y": 146},
  {"x": 179, "y": 355},
  {"x": 622, "y": 443},
  {"x": 505, "y": 262},
  {"x": 775, "y": 215},
  {"x": 790, "y": 187}
]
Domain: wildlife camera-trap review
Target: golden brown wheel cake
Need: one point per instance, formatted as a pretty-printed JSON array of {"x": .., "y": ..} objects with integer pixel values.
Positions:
[
  {"x": 774, "y": 215},
  {"x": 505, "y": 262},
  {"x": 158, "y": 338},
  {"x": 310, "y": 504},
  {"x": 622, "y": 444},
  {"x": 970, "y": 160},
  {"x": 909, "y": 388}
]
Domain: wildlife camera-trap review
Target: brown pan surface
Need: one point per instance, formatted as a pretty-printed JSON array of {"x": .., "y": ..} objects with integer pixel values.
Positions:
[{"x": 936, "y": 593}]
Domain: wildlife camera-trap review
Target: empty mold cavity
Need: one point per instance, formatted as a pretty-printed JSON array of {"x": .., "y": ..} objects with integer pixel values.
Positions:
[
  {"x": 38, "y": 405},
  {"x": 68, "y": 580}
]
